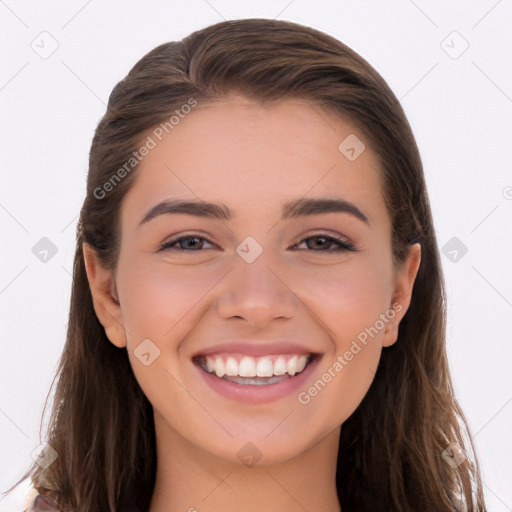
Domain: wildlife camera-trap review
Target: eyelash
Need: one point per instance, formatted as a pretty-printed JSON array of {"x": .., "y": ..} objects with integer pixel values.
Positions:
[{"x": 343, "y": 245}]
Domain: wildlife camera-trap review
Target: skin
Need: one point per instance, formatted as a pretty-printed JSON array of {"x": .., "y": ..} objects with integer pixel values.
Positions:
[{"x": 252, "y": 158}]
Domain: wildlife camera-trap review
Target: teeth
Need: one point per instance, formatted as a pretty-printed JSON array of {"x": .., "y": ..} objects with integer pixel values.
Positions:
[
  {"x": 291, "y": 366},
  {"x": 264, "y": 368},
  {"x": 280, "y": 366},
  {"x": 246, "y": 368},
  {"x": 255, "y": 367},
  {"x": 220, "y": 369},
  {"x": 231, "y": 367}
]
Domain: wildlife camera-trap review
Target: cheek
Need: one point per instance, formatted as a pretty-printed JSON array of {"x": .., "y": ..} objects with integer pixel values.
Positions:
[
  {"x": 160, "y": 302},
  {"x": 163, "y": 305},
  {"x": 350, "y": 306},
  {"x": 351, "y": 303},
  {"x": 346, "y": 298}
]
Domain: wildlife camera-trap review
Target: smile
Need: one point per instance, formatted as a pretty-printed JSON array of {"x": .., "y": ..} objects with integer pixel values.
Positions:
[{"x": 254, "y": 379}]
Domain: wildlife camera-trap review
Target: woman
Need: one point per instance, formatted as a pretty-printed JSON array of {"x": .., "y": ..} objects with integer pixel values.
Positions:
[{"x": 258, "y": 312}]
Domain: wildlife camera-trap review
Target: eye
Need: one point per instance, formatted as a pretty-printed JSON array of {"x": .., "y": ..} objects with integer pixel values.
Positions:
[
  {"x": 196, "y": 245},
  {"x": 322, "y": 241}
]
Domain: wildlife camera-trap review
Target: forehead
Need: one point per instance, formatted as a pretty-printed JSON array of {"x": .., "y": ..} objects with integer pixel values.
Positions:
[{"x": 246, "y": 154}]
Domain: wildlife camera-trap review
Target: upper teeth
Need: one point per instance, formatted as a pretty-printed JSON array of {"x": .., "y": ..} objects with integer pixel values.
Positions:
[{"x": 265, "y": 366}]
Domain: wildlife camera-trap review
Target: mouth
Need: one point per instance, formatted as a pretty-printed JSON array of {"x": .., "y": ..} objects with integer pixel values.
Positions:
[{"x": 245, "y": 370}]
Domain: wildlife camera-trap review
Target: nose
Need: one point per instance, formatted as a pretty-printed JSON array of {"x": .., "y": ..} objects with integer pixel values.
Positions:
[{"x": 257, "y": 292}]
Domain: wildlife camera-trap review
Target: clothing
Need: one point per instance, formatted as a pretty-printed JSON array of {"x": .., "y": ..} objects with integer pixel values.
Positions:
[{"x": 42, "y": 503}]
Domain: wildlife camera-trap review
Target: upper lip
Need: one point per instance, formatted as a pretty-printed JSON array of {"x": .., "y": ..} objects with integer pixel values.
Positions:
[{"x": 257, "y": 348}]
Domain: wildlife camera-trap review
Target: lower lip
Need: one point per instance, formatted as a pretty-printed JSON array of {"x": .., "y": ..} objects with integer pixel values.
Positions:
[{"x": 258, "y": 393}]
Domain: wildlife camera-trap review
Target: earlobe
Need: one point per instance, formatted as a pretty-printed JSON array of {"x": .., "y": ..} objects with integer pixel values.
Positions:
[
  {"x": 104, "y": 296},
  {"x": 390, "y": 334},
  {"x": 401, "y": 299}
]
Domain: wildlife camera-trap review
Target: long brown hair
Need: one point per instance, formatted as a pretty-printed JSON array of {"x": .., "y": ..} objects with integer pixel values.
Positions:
[{"x": 391, "y": 454}]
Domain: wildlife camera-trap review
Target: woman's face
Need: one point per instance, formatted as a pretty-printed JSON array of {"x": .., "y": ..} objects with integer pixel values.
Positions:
[{"x": 263, "y": 289}]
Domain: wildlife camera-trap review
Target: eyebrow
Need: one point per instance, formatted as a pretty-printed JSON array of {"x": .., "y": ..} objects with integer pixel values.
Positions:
[{"x": 291, "y": 209}]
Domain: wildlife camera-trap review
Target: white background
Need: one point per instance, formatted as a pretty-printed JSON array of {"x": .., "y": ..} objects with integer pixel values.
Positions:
[{"x": 460, "y": 110}]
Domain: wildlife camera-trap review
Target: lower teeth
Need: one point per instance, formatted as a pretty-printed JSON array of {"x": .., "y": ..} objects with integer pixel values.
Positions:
[{"x": 256, "y": 380}]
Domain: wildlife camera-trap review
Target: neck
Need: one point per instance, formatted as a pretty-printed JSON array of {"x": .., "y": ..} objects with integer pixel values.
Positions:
[{"x": 190, "y": 479}]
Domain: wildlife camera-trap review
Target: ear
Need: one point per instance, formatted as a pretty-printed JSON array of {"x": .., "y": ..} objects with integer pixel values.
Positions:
[
  {"x": 104, "y": 296},
  {"x": 404, "y": 282}
]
